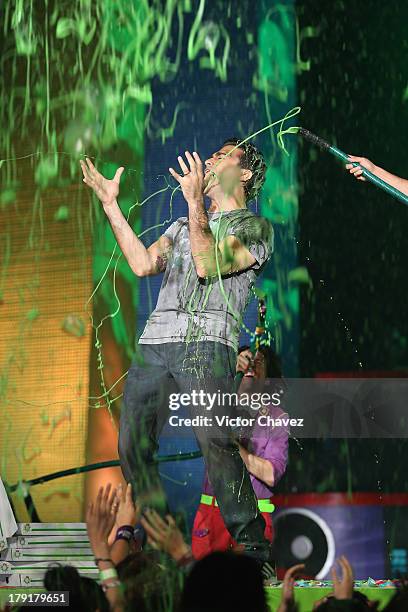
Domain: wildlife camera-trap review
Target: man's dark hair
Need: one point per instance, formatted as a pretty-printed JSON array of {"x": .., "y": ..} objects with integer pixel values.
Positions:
[
  {"x": 253, "y": 160},
  {"x": 150, "y": 583},
  {"x": 224, "y": 581},
  {"x": 85, "y": 594}
]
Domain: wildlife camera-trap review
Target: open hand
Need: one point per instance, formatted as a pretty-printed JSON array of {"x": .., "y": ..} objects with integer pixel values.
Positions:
[
  {"x": 192, "y": 180},
  {"x": 100, "y": 518},
  {"x": 287, "y": 597},
  {"x": 343, "y": 589},
  {"x": 128, "y": 513},
  {"x": 105, "y": 190},
  {"x": 357, "y": 170},
  {"x": 164, "y": 535}
]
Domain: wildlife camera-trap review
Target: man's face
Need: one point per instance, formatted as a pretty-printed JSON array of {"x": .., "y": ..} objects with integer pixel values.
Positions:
[{"x": 223, "y": 169}]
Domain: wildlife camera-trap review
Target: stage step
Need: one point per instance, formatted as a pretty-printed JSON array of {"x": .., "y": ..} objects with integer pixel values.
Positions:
[{"x": 36, "y": 546}]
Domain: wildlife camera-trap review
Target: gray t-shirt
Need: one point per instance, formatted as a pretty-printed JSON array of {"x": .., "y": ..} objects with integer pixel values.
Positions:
[{"x": 193, "y": 309}]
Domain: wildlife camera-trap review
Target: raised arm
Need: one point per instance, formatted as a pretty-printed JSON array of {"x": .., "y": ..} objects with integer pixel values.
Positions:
[
  {"x": 259, "y": 467},
  {"x": 270, "y": 467},
  {"x": 142, "y": 261},
  {"x": 393, "y": 180},
  {"x": 210, "y": 257}
]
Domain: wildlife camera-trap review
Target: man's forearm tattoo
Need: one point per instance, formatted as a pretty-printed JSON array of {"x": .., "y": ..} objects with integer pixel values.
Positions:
[
  {"x": 161, "y": 260},
  {"x": 161, "y": 263}
]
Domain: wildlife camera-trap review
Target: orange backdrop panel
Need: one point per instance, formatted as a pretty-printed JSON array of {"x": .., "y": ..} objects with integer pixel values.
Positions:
[{"x": 46, "y": 281}]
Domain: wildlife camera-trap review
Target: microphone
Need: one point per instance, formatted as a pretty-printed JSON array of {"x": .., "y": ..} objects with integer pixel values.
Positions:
[
  {"x": 325, "y": 146},
  {"x": 238, "y": 378},
  {"x": 240, "y": 375}
]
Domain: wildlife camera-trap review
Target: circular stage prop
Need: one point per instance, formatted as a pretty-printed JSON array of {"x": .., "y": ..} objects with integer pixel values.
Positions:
[{"x": 302, "y": 536}]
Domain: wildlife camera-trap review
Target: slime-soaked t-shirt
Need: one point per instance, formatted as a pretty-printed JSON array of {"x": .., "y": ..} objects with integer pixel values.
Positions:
[{"x": 190, "y": 308}]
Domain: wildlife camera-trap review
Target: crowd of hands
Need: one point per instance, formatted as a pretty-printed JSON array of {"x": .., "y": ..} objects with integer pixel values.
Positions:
[{"x": 113, "y": 508}]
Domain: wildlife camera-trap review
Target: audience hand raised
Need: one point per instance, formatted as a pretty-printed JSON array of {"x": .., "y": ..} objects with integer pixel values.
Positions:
[
  {"x": 287, "y": 603},
  {"x": 343, "y": 588},
  {"x": 164, "y": 535},
  {"x": 100, "y": 519}
]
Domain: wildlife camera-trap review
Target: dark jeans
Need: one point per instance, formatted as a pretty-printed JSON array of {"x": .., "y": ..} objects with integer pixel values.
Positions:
[{"x": 190, "y": 366}]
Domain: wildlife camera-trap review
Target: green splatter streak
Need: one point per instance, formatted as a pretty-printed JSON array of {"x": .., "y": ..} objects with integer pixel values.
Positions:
[{"x": 103, "y": 99}]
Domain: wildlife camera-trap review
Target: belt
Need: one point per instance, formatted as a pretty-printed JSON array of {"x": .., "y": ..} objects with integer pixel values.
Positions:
[{"x": 264, "y": 505}]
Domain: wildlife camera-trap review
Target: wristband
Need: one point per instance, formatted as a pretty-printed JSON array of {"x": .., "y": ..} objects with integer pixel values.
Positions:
[
  {"x": 108, "y": 573},
  {"x": 124, "y": 533},
  {"x": 98, "y": 559}
]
